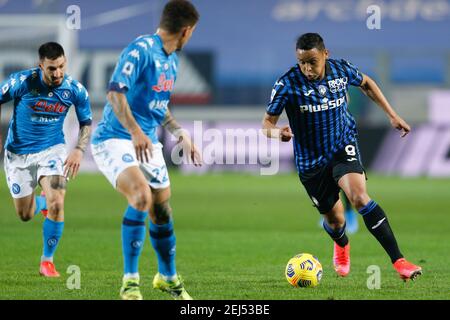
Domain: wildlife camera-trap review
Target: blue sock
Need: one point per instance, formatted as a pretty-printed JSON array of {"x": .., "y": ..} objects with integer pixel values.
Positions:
[
  {"x": 52, "y": 232},
  {"x": 41, "y": 204},
  {"x": 162, "y": 238},
  {"x": 133, "y": 237}
]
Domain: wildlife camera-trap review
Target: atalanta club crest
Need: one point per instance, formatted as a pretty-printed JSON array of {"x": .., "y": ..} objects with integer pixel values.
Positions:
[{"x": 322, "y": 90}]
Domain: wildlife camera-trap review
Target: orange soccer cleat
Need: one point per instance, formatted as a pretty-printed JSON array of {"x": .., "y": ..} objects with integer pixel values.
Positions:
[
  {"x": 407, "y": 270},
  {"x": 341, "y": 259},
  {"x": 47, "y": 269},
  {"x": 44, "y": 211}
]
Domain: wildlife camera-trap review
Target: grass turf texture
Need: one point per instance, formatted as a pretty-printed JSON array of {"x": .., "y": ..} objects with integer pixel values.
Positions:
[{"x": 235, "y": 234}]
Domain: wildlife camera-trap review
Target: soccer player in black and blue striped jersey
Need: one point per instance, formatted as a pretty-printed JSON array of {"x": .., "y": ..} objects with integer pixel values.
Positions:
[{"x": 314, "y": 95}]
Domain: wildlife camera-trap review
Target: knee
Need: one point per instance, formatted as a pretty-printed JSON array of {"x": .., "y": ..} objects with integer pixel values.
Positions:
[
  {"x": 335, "y": 223},
  {"x": 56, "y": 204},
  {"x": 25, "y": 215},
  {"x": 162, "y": 213},
  {"x": 141, "y": 198},
  {"x": 359, "y": 199}
]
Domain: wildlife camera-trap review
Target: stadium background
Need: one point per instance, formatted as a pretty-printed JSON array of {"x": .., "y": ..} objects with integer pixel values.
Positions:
[{"x": 227, "y": 72}]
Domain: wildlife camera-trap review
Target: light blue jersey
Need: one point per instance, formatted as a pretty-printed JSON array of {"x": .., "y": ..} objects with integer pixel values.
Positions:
[
  {"x": 40, "y": 110},
  {"x": 146, "y": 75}
]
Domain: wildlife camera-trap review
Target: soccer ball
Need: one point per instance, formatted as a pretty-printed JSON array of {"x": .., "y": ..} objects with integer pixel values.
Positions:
[{"x": 304, "y": 270}]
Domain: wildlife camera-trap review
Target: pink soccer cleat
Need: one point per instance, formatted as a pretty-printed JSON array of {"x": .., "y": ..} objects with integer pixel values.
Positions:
[
  {"x": 341, "y": 259},
  {"x": 47, "y": 269}
]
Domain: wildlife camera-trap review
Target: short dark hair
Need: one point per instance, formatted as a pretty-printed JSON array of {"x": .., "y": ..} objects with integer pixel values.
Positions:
[
  {"x": 178, "y": 14},
  {"x": 51, "y": 51},
  {"x": 310, "y": 41}
]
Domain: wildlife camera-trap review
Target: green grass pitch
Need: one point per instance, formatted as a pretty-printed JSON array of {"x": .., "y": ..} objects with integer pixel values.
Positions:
[{"x": 235, "y": 234}]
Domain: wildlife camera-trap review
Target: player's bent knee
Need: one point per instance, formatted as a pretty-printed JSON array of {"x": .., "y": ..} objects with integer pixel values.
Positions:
[
  {"x": 56, "y": 205},
  {"x": 359, "y": 199},
  {"x": 25, "y": 215},
  {"x": 162, "y": 213},
  {"x": 141, "y": 199}
]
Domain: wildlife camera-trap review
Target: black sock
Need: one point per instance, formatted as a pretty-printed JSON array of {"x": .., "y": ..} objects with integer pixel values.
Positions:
[
  {"x": 338, "y": 236},
  {"x": 377, "y": 223}
]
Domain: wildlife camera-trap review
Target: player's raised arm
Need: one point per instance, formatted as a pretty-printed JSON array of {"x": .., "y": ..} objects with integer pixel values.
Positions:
[
  {"x": 371, "y": 89},
  {"x": 141, "y": 142},
  {"x": 183, "y": 137}
]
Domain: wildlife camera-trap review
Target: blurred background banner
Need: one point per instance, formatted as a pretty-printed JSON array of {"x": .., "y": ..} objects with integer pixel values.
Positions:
[{"x": 241, "y": 47}]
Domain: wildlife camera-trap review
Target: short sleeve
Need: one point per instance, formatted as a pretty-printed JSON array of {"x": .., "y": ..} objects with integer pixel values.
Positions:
[
  {"x": 128, "y": 69},
  {"x": 83, "y": 106},
  {"x": 278, "y": 98},
  {"x": 354, "y": 76}
]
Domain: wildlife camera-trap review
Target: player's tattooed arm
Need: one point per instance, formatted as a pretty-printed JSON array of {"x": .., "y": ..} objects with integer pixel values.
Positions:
[
  {"x": 171, "y": 124},
  {"x": 370, "y": 88},
  {"x": 270, "y": 129},
  {"x": 183, "y": 137},
  {"x": 142, "y": 144},
  {"x": 83, "y": 138},
  {"x": 73, "y": 161}
]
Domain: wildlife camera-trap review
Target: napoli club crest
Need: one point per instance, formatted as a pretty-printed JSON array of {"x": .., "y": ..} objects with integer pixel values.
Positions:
[
  {"x": 66, "y": 94},
  {"x": 322, "y": 90}
]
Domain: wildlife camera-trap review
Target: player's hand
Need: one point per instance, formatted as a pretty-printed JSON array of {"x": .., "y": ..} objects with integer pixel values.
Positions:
[
  {"x": 142, "y": 145},
  {"x": 400, "y": 124},
  {"x": 286, "y": 133},
  {"x": 72, "y": 164},
  {"x": 192, "y": 151}
]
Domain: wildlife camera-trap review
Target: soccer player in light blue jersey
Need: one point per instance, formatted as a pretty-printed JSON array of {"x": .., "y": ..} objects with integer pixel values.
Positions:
[
  {"x": 126, "y": 149},
  {"x": 35, "y": 152}
]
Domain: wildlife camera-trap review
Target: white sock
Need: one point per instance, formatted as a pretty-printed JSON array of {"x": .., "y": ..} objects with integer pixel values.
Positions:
[
  {"x": 46, "y": 259},
  {"x": 131, "y": 276}
]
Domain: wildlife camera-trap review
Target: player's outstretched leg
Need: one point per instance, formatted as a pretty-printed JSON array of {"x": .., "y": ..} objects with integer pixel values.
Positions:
[
  {"x": 162, "y": 237},
  {"x": 53, "y": 226},
  {"x": 377, "y": 223},
  {"x": 334, "y": 225},
  {"x": 132, "y": 184}
]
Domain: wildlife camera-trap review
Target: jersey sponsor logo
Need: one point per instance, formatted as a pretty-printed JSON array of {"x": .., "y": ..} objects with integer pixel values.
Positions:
[
  {"x": 43, "y": 106},
  {"x": 15, "y": 188},
  {"x": 164, "y": 85},
  {"x": 45, "y": 119},
  {"x": 331, "y": 104},
  {"x": 158, "y": 104},
  {"x": 309, "y": 93},
  {"x": 338, "y": 84}
]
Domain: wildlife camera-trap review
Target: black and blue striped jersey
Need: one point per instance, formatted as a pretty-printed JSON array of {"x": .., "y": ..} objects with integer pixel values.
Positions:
[{"x": 317, "y": 111}]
